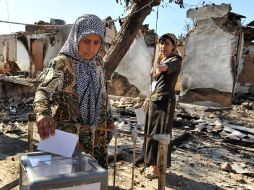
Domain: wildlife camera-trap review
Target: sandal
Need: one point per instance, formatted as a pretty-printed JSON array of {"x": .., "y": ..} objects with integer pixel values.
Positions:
[{"x": 152, "y": 172}]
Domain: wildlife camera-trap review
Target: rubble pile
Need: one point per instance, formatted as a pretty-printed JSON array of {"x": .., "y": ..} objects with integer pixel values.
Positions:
[
  {"x": 217, "y": 149},
  {"x": 217, "y": 153},
  {"x": 214, "y": 122},
  {"x": 15, "y": 109}
]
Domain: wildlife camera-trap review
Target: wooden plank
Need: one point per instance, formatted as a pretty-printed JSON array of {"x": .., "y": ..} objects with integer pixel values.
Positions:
[{"x": 243, "y": 129}]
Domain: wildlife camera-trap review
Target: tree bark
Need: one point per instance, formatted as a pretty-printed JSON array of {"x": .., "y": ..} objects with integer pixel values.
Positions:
[{"x": 129, "y": 29}]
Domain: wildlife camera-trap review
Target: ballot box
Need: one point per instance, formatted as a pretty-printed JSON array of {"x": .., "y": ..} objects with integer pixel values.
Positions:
[{"x": 46, "y": 171}]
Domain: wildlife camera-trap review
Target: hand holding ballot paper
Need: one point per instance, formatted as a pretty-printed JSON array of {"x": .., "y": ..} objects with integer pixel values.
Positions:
[{"x": 62, "y": 143}]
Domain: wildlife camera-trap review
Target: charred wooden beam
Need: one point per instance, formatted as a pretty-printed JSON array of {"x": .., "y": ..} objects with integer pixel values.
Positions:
[{"x": 11, "y": 185}]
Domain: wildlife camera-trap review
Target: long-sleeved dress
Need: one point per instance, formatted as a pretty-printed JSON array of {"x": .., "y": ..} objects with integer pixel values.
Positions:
[
  {"x": 57, "y": 96},
  {"x": 159, "y": 117}
]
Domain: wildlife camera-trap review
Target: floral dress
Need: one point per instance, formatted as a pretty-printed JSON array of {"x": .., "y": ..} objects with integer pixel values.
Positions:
[{"x": 57, "y": 96}]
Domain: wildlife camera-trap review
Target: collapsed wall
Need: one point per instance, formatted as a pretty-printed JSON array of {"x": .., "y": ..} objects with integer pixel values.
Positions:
[
  {"x": 132, "y": 76},
  {"x": 212, "y": 53}
]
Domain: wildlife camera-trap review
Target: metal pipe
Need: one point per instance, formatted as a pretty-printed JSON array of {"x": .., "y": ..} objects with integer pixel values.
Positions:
[
  {"x": 147, "y": 130},
  {"x": 116, "y": 132},
  {"x": 164, "y": 140},
  {"x": 134, "y": 138},
  {"x": 30, "y": 132}
]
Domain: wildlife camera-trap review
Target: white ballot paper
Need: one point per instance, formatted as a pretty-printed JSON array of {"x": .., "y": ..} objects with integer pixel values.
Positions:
[{"x": 62, "y": 143}]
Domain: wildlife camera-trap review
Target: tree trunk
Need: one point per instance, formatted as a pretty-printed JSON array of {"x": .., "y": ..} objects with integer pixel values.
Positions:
[{"x": 125, "y": 37}]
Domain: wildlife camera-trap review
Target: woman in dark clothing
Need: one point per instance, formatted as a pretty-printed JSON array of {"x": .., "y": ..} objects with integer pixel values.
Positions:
[{"x": 160, "y": 114}]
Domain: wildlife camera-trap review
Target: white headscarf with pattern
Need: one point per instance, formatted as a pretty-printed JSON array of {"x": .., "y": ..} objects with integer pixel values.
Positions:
[{"x": 88, "y": 80}]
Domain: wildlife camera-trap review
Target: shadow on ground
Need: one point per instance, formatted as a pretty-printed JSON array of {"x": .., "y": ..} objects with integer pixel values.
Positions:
[
  {"x": 182, "y": 183},
  {"x": 116, "y": 188},
  {"x": 10, "y": 146}
]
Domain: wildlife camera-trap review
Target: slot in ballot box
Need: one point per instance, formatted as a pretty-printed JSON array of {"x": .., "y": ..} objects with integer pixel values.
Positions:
[{"x": 46, "y": 171}]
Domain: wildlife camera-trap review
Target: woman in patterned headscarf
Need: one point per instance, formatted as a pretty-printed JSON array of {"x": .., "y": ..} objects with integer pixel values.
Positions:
[{"x": 73, "y": 90}]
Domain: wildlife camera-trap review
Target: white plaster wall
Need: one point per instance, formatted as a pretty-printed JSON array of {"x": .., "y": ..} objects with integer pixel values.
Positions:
[
  {"x": 60, "y": 38},
  {"x": 136, "y": 65},
  {"x": 52, "y": 51},
  {"x": 208, "y": 58},
  {"x": 23, "y": 59}
]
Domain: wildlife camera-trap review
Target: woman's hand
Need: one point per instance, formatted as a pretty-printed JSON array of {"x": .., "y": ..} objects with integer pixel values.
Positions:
[
  {"x": 158, "y": 69},
  {"x": 155, "y": 72},
  {"x": 163, "y": 67},
  {"x": 46, "y": 126}
]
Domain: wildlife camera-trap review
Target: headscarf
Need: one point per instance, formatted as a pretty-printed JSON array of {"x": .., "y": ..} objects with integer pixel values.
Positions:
[
  {"x": 171, "y": 36},
  {"x": 88, "y": 80}
]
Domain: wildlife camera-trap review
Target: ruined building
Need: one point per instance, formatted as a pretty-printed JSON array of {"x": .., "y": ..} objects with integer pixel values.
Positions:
[
  {"x": 218, "y": 57},
  {"x": 215, "y": 64},
  {"x": 24, "y": 55},
  {"x": 217, "y": 60}
]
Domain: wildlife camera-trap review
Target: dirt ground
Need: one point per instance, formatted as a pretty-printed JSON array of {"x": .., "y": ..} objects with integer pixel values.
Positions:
[{"x": 196, "y": 162}]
